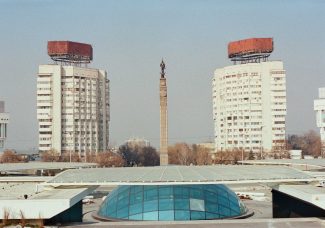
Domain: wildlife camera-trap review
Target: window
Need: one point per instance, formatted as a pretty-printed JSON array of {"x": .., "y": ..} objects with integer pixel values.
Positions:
[{"x": 197, "y": 205}]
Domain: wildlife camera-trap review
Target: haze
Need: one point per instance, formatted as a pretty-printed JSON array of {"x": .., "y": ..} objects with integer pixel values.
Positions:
[{"x": 130, "y": 38}]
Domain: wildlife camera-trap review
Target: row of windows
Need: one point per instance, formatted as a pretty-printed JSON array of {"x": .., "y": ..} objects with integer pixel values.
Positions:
[
  {"x": 279, "y": 122},
  {"x": 228, "y": 82},
  {"x": 253, "y": 74},
  {"x": 44, "y": 101},
  {"x": 278, "y": 103},
  {"x": 77, "y": 144},
  {"x": 44, "y": 139},
  {"x": 278, "y": 72},
  {"x": 43, "y": 82},
  {"x": 44, "y": 145},
  {"x": 170, "y": 215},
  {"x": 242, "y": 142},
  {"x": 279, "y": 110},
  {"x": 44, "y": 89}
]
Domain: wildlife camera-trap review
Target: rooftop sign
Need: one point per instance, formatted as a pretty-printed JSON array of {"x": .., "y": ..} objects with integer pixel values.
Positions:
[{"x": 68, "y": 51}]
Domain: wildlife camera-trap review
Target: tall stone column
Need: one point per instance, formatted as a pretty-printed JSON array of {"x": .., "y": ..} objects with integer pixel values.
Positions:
[{"x": 163, "y": 117}]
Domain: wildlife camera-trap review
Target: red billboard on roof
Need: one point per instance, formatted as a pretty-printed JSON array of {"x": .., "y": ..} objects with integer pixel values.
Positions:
[
  {"x": 68, "y": 50},
  {"x": 250, "y": 46}
]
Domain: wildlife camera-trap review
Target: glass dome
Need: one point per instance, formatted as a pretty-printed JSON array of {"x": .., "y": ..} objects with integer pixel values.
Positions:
[{"x": 171, "y": 202}]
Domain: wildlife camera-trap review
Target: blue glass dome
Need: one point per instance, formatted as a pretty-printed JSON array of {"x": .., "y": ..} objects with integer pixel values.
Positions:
[{"x": 171, "y": 202}]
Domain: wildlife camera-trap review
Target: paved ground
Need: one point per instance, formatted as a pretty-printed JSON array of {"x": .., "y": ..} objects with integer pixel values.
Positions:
[
  {"x": 88, "y": 209},
  {"x": 243, "y": 223}
]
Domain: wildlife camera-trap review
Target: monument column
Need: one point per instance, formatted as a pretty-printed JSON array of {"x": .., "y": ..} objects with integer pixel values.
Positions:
[{"x": 163, "y": 117}]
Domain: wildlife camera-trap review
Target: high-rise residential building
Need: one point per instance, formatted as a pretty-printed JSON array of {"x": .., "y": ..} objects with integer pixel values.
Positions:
[
  {"x": 4, "y": 120},
  {"x": 249, "y": 99},
  {"x": 72, "y": 101},
  {"x": 319, "y": 107}
]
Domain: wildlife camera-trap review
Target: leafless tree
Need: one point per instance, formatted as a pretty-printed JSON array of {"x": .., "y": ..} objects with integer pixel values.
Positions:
[
  {"x": 50, "y": 156},
  {"x": 181, "y": 154},
  {"x": 10, "y": 156},
  {"x": 202, "y": 155},
  {"x": 310, "y": 143},
  {"x": 67, "y": 157},
  {"x": 110, "y": 159},
  {"x": 231, "y": 156},
  {"x": 184, "y": 154}
]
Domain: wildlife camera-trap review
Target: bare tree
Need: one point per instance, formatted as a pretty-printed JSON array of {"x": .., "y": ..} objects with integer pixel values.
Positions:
[
  {"x": 313, "y": 143},
  {"x": 202, "y": 155},
  {"x": 67, "y": 157},
  {"x": 184, "y": 154},
  {"x": 50, "y": 156},
  {"x": 10, "y": 156},
  {"x": 92, "y": 156},
  {"x": 310, "y": 143},
  {"x": 230, "y": 156},
  {"x": 110, "y": 159},
  {"x": 181, "y": 154}
]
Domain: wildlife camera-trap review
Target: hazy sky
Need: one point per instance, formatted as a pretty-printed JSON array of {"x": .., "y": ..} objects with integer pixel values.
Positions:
[{"x": 129, "y": 39}]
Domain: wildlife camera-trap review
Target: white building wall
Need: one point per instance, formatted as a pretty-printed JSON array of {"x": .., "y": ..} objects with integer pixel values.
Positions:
[
  {"x": 76, "y": 116},
  {"x": 56, "y": 107},
  {"x": 249, "y": 106},
  {"x": 140, "y": 142},
  {"x": 319, "y": 107},
  {"x": 4, "y": 120}
]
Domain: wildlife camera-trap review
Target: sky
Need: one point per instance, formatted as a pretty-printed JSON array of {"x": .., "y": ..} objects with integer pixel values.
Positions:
[{"x": 130, "y": 38}]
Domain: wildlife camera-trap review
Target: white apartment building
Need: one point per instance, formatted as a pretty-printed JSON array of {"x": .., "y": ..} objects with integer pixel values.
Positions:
[
  {"x": 4, "y": 120},
  {"x": 139, "y": 142},
  {"x": 249, "y": 106},
  {"x": 319, "y": 107},
  {"x": 72, "y": 109}
]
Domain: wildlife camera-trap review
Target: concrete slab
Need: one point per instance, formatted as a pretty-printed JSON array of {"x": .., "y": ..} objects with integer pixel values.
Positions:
[{"x": 243, "y": 223}]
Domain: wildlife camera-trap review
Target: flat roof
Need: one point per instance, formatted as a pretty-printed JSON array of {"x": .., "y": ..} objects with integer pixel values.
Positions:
[
  {"x": 320, "y": 163},
  {"x": 40, "y": 203},
  {"x": 16, "y": 190},
  {"x": 165, "y": 175},
  {"x": 308, "y": 193},
  {"x": 43, "y": 165},
  {"x": 33, "y": 179}
]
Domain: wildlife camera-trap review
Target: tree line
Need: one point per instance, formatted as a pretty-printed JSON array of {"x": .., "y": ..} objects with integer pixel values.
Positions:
[
  {"x": 309, "y": 143},
  {"x": 178, "y": 154},
  {"x": 125, "y": 156}
]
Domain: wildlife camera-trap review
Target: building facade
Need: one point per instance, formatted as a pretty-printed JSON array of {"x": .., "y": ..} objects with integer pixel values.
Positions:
[
  {"x": 137, "y": 142},
  {"x": 319, "y": 107},
  {"x": 249, "y": 106},
  {"x": 4, "y": 120},
  {"x": 72, "y": 109}
]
